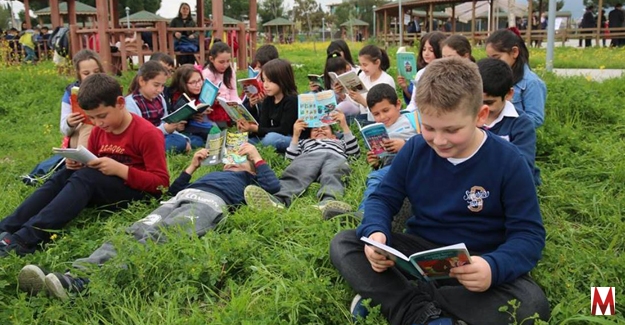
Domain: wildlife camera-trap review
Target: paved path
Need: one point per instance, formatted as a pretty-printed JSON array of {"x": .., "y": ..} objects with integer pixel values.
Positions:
[{"x": 595, "y": 74}]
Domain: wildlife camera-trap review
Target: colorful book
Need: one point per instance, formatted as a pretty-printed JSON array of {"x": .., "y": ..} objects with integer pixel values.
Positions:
[
  {"x": 374, "y": 135},
  {"x": 80, "y": 154},
  {"x": 223, "y": 147},
  {"x": 433, "y": 264},
  {"x": 252, "y": 86},
  {"x": 234, "y": 141},
  {"x": 407, "y": 65},
  {"x": 252, "y": 73},
  {"x": 236, "y": 110},
  {"x": 350, "y": 81},
  {"x": 73, "y": 100},
  {"x": 185, "y": 112},
  {"x": 209, "y": 92},
  {"x": 316, "y": 79},
  {"x": 315, "y": 109}
]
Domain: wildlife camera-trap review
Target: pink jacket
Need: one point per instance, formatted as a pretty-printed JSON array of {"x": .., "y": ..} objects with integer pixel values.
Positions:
[{"x": 224, "y": 92}]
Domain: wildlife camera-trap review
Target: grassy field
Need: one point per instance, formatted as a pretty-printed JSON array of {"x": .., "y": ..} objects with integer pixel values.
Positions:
[{"x": 273, "y": 268}]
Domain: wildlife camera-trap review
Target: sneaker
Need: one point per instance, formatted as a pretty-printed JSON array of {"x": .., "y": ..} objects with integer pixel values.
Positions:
[
  {"x": 60, "y": 285},
  {"x": 9, "y": 244},
  {"x": 443, "y": 321},
  {"x": 259, "y": 199},
  {"x": 358, "y": 309},
  {"x": 31, "y": 279},
  {"x": 331, "y": 208}
]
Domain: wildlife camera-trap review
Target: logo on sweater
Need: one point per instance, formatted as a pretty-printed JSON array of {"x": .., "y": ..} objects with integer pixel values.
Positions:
[{"x": 475, "y": 198}]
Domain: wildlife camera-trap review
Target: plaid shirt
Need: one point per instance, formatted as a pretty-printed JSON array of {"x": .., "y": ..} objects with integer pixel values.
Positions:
[{"x": 151, "y": 110}]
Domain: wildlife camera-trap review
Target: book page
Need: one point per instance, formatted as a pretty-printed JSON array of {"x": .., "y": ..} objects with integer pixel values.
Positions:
[
  {"x": 400, "y": 259},
  {"x": 80, "y": 154},
  {"x": 437, "y": 263},
  {"x": 215, "y": 143},
  {"x": 234, "y": 141},
  {"x": 374, "y": 135},
  {"x": 181, "y": 114},
  {"x": 350, "y": 81},
  {"x": 209, "y": 92}
]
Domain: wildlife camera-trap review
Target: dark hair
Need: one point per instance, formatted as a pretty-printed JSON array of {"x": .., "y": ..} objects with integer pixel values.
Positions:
[
  {"x": 148, "y": 71},
  {"x": 181, "y": 77},
  {"x": 265, "y": 54},
  {"x": 460, "y": 44},
  {"x": 280, "y": 72},
  {"x": 496, "y": 77},
  {"x": 374, "y": 53},
  {"x": 338, "y": 46},
  {"x": 215, "y": 50},
  {"x": 336, "y": 65},
  {"x": 180, "y": 9},
  {"x": 98, "y": 89},
  {"x": 162, "y": 57},
  {"x": 85, "y": 55},
  {"x": 435, "y": 39},
  {"x": 381, "y": 92},
  {"x": 504, "y": 40}
]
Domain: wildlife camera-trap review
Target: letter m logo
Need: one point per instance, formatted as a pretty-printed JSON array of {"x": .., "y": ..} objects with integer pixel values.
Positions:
[{"x": 604, "y": 298}]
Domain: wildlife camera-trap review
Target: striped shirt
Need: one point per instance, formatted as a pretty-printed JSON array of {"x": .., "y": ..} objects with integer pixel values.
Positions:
[{"x": 348, "y": 146}]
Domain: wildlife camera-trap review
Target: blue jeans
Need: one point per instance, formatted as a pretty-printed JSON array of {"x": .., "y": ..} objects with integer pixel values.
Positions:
[
  {"x": 276, "y": 140},
  {"x": 30, "y": 54},
  {"x": 373, "y": 180},
  {"x": 175, "y": 143}
]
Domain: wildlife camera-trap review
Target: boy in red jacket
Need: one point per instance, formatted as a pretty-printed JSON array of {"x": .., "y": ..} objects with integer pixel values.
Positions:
[{"x": 130, "y": 166}]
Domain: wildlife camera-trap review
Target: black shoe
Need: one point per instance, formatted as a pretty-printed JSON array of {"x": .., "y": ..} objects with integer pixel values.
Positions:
[
  {"x": 60, "y": 285},
  {"x": 443, "y": 321},
  {"x": 31, "y": 279},
  {"x": 9, "y": 244}
]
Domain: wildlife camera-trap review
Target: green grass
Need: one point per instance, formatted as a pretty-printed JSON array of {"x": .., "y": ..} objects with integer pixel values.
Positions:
[{"x": 273, "y": 268}]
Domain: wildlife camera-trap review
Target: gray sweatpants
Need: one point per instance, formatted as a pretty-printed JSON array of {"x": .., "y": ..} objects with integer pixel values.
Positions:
[
  {"x": 191, "y": 210},
  {"x": 325, "y": 167}
]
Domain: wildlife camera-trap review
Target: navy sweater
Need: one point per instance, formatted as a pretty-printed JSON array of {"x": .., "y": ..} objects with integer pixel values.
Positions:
[
  {"x": 488, "y": 202},
  {"x": 229, "y": 185},
  {"x": 521, "y": 132}
]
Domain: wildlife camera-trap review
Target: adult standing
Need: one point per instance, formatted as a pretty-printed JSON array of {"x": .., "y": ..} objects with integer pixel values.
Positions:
[
  {"x": 616, "y": 18},
  {"x": 588, "y": 21},
  {"x": 185, "y": 41}
]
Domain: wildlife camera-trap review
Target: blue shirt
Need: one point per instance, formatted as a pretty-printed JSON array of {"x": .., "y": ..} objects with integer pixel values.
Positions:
[
  {"x": 530, "y": 94},
  {"x": 488, "y": 202}
]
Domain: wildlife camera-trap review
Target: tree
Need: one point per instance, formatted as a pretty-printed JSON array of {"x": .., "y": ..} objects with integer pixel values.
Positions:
[
  {"x": 270, "y": 10},
  {"x": 5, "y": 17},
  {"x": 543, "y": 5},
  {"x": 606, "y": 3},
  {"x": 303, "y": 10},
  {"x": 361, "y": 9},
  {"x": 232, "y": 8}
]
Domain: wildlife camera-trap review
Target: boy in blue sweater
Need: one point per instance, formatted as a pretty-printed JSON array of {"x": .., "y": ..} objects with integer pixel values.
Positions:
[
  {"x": 466, "y": 185},
  {"x": 196, "y": 207},
  {"x": 503, "y": 119}
]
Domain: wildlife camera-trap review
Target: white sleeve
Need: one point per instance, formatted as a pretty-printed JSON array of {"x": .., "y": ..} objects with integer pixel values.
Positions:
[{"x": 66, "y": 109}]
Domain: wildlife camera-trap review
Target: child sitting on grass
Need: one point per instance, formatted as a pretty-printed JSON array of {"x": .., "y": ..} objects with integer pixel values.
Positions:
[
  {"x": 464, "y": 185},
  {"x": 263, "y": 55},
  {"x": 130, "y": 166},
  {"x": 503, "y": 119},
  {"x": 323, "y": 157},
  {"x": 197, "y": 208}
]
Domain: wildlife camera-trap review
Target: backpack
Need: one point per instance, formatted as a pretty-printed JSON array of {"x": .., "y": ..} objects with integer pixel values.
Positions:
[{"x": 59, "y": 41}]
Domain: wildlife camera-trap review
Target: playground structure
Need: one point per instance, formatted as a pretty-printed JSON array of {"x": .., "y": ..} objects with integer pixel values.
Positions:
[{"x": 106, "y": 31}]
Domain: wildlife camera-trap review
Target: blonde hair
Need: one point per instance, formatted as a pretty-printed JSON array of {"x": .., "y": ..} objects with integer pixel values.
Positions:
[{"x": 448, "y": 85}]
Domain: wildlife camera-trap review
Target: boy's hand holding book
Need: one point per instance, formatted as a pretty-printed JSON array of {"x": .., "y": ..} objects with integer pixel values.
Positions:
[
  {"x": 475, "y": 277},
  {"x": 393, "y": 145},
  {"x": 372, "y": 159},
  {"x": 245, "y": 126},
  {"x": 251, "y": 152},
  {"x": 72, "y": 164},
  {"x": 298, "y": 128},
  {"x": 339, "y": 117},
  {"x": 379, "y": 262},
  {"x": 196, "y": 161},
  {"x": 110, "y": 167}
]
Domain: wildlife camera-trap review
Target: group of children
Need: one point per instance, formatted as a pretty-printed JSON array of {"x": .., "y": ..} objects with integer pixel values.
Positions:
[
  {"x": 469, "y": 176},
  {"x": 30, "y": 41}
]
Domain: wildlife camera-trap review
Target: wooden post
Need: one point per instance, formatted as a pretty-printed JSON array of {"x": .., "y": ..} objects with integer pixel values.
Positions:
[
  {"x": 491, "y": 22},
  {"x": 102, "y": 25},
  {"x": 199, "y": 9},
  {"x": 27, "y": 14},
  {"x": 218, "y": 18},
  {"x": 114, "y": 17},
  {"x": 55, "y": 15},
  {"x": 161, "y": 32},
  {"x": 599, "y": 16},
  {"x": 74, "y": 41},
  {"x": 473, "y": 23},
  {"x": 453, "y": 19},
  {"x": 71, "y": 12},
  {"x": 270, "y": 39},
  {"x": 530, "y": 14},
  {"x": 431, "y": 17},
  {"x": 385, "y": 28},
  {"x": 242, "y": 55},
  {"x": 253, "y": 28}
]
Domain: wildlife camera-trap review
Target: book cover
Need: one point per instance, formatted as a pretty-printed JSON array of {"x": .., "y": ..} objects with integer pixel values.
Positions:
[
  {"x": 234, "y": 141},
  {"x": 374, "y": 135},
  {"x": 407, "y": 65},
  {"x": 315, "y": 109},
  {"x": 73, "y": 100},
  {"x": 316, "y": 79},
  {"x": 236, "y": 110},
  {"x": 252, "y": 86},
  {"x": 80, "y": 154},
  {"x": 433, "y": 264},
  {"x": 350, "y": 81},
  {"x": 215, "y": 143},
  {"x": 209, "y": 92},
  {"x": 251, "y": 72},
  {"x": 183, "y": 113}
]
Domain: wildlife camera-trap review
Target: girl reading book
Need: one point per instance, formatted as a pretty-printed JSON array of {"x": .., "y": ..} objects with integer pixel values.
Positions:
[
  {"x": 219, "y": 71},
  {"x": 279, "y": 111},
  {"x": 188, "y": 80},
  {"x": 339, "y": 65},
  {"x": 430, "y": 50},
  {"x": 146, "y": 99}
]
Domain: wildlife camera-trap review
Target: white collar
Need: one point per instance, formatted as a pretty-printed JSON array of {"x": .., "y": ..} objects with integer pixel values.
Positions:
[{"x": 507, "y": 111}]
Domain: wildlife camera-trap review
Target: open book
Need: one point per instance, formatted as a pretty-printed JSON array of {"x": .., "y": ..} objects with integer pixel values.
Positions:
[
  {"x": 236, "y": 110},
  {"x": 251, "y": 72},
  {"x": 80, "y": 154},
  {"x": 73, "y": 100},
  {"x": 433, "y": 264},
  {"x": 223, "y": 147},
  {"x": 316, "y": 79},
  {"x": 252, "y": 86},
  {"x": 186, "y": 111},
  {"x": 315, "y": 109},
  {"x": 349, "y": 80},
  {"x": 374, "y": 136},
  {"x": 406, "y": 64},
  {"x": 209, "y": 93}
]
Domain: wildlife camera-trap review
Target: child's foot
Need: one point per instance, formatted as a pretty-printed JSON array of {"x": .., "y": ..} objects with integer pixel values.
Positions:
[
  {"x": 259, "y": 199},
  {"x": 31, "y": 279},
  {"x": 443, "y": 321},
  {"x": 331, "y": 208},
  {"x": 61, "y": 285},
  {"x": 9, "y": 244},
  {"x": 358, "y": 309}
]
